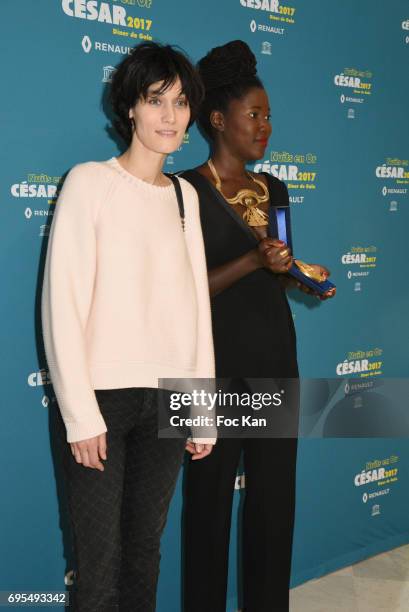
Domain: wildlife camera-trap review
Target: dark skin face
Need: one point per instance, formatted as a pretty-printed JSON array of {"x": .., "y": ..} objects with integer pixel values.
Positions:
[{"x": 241, "y": 136}]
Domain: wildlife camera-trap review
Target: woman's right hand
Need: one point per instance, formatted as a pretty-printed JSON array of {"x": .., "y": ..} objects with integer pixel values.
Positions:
[
  {"x": 90, "y": 452},
  {"x": 275, "y": 255}
]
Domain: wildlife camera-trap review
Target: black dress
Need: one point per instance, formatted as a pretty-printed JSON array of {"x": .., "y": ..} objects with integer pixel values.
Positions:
[
  {"x": 253, "y": 328},
  {"x": 254, "y": 338}
]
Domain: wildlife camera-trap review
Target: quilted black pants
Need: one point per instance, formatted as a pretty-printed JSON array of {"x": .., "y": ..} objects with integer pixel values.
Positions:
[{"x": 118, "y": 516}]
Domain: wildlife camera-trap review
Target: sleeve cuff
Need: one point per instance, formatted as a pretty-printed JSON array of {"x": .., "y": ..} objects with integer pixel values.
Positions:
[
  {"x": 83, "y": 431},
  {"x": 203, "y": 440}
]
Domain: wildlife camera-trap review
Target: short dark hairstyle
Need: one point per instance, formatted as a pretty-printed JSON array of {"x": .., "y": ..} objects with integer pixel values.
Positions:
[
  {"x": 228, "y": 73},
  {"x": 149, "y": 63}
]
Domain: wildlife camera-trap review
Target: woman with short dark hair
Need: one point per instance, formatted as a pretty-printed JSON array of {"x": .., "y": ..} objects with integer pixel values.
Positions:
[{"x": 125, "y": 303}]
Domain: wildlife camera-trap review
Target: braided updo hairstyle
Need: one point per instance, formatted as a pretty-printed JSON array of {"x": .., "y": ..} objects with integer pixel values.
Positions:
[{"x": 228, "y": 73}]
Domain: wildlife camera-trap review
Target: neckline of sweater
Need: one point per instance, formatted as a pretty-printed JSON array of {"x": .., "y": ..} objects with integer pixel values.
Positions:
[{"x": 164, "y": 190}]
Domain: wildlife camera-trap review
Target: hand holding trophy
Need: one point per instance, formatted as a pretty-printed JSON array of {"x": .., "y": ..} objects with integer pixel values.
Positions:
[{"x": 310, "y": 278}]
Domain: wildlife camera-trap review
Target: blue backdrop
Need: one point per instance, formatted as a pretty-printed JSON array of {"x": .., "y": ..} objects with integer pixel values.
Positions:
[{"x": 337, "y": 80}]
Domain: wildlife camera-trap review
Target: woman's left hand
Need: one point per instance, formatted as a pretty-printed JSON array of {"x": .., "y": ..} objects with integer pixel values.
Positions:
[{"x": 198, "y": 451}]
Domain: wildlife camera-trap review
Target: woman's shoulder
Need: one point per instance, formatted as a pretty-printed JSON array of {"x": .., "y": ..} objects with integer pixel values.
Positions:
[
  {"x": 196, "y": 177},
  {"x": 188, "y": 187},
  {"x": 90, "y": 171},
  {"x": 86, "y": 184}
]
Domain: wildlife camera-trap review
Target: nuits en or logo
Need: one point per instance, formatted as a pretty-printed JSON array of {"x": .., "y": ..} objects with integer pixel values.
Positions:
[
  {"x": 266, "y": 48},
  {"x": 377, "y": 470},
  {"x": 354, "y": 79},
  {"x": 298, "y": 170},
  {"x": 355, "y": 86},
  {"x": 396, "y": 172},
  {"x": 376, "y": 509},
  {"x": 362, "y": 363},
  {"x": 38, "y": 379},
  {"x": 405, "y": 24},
  {"x": 41, "y": 186},
  {"x": 362, "y": 257}
]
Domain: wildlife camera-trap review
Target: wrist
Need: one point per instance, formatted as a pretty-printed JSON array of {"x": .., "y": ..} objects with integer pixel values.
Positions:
[{"x": 254, "y": 259}]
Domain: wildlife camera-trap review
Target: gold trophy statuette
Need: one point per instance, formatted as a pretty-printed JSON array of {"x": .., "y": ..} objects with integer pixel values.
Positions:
[{"x": 312, "y": 271}]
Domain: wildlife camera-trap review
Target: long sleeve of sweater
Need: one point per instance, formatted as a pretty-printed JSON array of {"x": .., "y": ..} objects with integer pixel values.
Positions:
[
  {"x": 125, "y": 301},
  {"x": 67, "y": 295},
  {"x": 195, "y": 245}
]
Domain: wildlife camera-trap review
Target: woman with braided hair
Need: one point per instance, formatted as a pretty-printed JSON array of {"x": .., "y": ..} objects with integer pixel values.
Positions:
[{"x": 254, "y": 339}]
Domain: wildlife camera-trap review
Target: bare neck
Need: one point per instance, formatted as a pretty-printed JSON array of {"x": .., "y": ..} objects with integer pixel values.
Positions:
[
  {"x": 229, "y": 165},
  {"x": 144, "y": 163}
]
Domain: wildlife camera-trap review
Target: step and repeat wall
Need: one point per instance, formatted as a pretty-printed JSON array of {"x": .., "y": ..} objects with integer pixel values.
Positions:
[{"x": 337, "y": 78}]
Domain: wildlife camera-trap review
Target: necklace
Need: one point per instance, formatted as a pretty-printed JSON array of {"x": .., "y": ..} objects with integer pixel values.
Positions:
[{"x": 250, "y": 199}]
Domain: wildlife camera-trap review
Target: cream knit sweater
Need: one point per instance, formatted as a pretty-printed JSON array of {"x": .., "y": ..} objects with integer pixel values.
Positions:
[{"x": 125, "y": 295}]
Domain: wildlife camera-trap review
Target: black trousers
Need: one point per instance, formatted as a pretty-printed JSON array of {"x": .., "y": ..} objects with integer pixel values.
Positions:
[
  {"x": 118, "y": 516},
  {"x": 267, "y": 527}
]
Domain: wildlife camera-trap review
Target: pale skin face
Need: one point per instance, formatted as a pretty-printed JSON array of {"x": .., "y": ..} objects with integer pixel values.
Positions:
[
  {"x": 159, "y": 123},
  {"x": 161, "y": 119}
]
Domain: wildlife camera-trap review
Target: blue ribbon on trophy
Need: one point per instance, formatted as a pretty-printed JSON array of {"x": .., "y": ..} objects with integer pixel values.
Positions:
[{"x": 305, "y": 273}]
